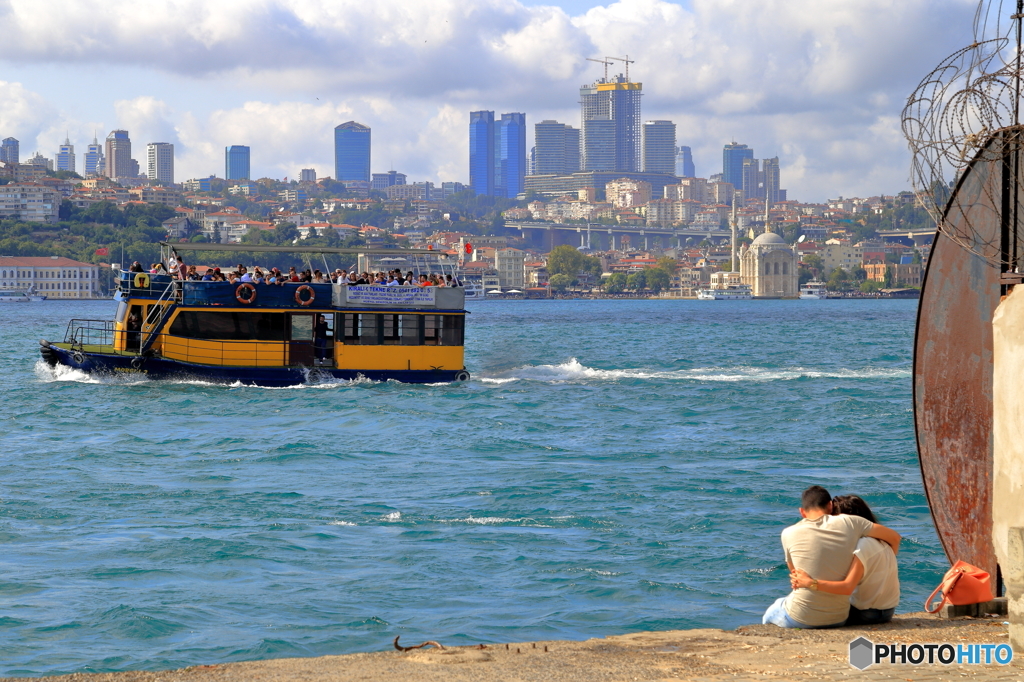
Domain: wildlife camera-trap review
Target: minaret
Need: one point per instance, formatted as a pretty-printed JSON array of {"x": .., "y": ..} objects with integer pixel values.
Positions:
[{"x": 733, "y": 221}]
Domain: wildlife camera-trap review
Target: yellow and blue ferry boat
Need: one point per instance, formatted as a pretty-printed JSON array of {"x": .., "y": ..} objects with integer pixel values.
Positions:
[{"x": 265, "y": 334}]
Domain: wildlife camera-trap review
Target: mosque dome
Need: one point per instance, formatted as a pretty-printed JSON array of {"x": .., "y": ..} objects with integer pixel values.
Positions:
[{"x": 768, "y": 239}]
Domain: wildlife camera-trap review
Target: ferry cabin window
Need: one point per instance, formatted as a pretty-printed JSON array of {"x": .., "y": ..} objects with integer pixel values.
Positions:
[
  {"x": 375, "y": 329},
  {"x": 234, "y": 326}
]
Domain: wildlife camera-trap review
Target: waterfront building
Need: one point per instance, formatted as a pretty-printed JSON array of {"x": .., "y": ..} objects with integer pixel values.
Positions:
[
  {"x": 30, "y": 202},
  {"x": 118, "y": 156},
  {"x": 160, "y": 156},
  {"x": 381, "y": 181},
  {"x": 352, "y": 152},
  {"x": 684, "y": 163},
  {"x": 769, "y": 266},
  {"x": 659, "y": 147},
  {"x": 236, "y": 162},
  {"x": 511, "y": 267},
  {"x": 53, "y": 276},
  {"x": 66, "y": 156},
  {"x": 732, "y": 162},
  {"x": 557, "y": 150},
  {"x": 10, "y": 151},
  {"x": 307, "y": 175},
  {"x": 497, "y": 154},
  {"x": 94, "y": 160},
  {"x": 610, "y": 125}
]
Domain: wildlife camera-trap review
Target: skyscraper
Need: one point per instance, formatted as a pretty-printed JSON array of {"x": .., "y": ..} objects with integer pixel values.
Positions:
[
  {"x": 684, "y": 163},
  {"x": 381, "y": 181},
  {"x": 94, "y": 164},
  {"x": 481, "y": 152},
  {"x": 118, "y": 155},
  {"x": 352, "y": 152},
  {"x": 751, "y": 176},
  {"x": 732, "y": 163},
  {"x": 66, "y": 156},
  {"x": 10, "y": 151},
  {"x": 610, "y": 130},
  {"x": 497, "y": 154},
  {"x": 659, "y": 150},
  {"x": 770, "y": 173},
  {"x": 511, "y": 177},
  {"x": 236, "y": 162},
  {"x": 160, "y": 166},
  {"x": 557, "y": 150}
]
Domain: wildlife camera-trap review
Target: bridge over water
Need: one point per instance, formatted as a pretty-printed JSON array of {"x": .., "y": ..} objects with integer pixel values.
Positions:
[{"x": 546, "y": 236}]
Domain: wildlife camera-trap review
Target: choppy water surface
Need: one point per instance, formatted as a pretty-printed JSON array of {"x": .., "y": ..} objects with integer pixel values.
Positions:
[{"x": 613, "y": 466}]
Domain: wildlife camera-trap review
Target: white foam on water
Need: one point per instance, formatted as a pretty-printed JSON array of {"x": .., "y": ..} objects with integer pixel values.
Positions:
[
  {"x": 63, "y": 373},
  {"x": 392, "y": 517},
  {"x": 340, "y": 523},
  {"x": 574, "y": 371}
]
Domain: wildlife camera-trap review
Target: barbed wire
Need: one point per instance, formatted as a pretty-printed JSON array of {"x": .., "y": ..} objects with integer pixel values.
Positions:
[{"x": 966, "y": 110}]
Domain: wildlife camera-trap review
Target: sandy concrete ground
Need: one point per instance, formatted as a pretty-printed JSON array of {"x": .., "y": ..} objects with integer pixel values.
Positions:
[{"x": 755, "y": 652}]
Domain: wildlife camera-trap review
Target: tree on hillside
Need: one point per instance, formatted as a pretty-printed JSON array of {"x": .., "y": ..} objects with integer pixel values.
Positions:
[
  {"x": 616, "y": 283},
  {"x": 656, "y": 279},
  {"x": 559, "y": 282},
  {"x": 565, "y": 260},
  {"x": 637, "y": 281}
]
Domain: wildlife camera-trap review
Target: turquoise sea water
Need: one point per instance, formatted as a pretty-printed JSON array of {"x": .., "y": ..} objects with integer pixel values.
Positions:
[{"x": 613, "y": 466}]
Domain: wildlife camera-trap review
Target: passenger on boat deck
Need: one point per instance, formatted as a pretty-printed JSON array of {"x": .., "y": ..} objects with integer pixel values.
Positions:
[
  {"x": 318, "y": 277},
  {"x": 193, "y": 274},
  {"x": 425, "y": 281},
  {"x": 154, "y": 269},
  {"x": 135, "y": 267},
  {"x": 244, "y": 275},
  {"x": 320, "y": 338},
  {"x": 257, "y": 275},
  {"x": 292, "y": 275},
  {"x": 182, "y": 272}
]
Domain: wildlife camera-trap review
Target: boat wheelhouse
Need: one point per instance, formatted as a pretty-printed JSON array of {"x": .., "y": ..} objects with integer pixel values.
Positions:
[{"x": 271, "y": 334}]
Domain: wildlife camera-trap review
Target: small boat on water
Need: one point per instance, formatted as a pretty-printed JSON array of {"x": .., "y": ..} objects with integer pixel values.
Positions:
[
  {"x": 270, "y": 334},
  {"x": 814, "y": 289},
  {"x": 21, "y": 295},
  {"x": 729, "y": 292}
]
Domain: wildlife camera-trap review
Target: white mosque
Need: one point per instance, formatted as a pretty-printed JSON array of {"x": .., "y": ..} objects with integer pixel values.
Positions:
[{"x": 769, "y": 265}]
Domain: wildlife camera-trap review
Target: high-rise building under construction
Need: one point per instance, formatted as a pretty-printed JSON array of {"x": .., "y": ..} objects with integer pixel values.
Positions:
[{"x": 610, "y": 134}]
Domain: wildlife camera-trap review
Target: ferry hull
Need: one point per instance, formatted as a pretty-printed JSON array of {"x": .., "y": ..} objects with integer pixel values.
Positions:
[{"x": 163, "y": 368}]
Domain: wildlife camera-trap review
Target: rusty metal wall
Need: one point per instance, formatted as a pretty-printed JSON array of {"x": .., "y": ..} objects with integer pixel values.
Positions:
[{"x": 953, "y": 372}]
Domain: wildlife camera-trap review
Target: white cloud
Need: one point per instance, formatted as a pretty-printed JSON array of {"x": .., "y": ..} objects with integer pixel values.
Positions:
[{"x": 817, "y": 82}]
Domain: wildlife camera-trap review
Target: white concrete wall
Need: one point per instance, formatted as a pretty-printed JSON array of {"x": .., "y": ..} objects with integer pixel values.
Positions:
[{"x": 1008, "y": 452}]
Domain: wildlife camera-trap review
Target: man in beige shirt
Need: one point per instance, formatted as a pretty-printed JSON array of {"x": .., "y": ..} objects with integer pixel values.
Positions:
[{"x": 822, "y": 545}]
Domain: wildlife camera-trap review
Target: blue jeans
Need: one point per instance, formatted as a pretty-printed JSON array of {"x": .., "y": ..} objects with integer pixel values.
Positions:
[
  {"x": 869, "y": 616},
  {"x": 776, "y": 615}
]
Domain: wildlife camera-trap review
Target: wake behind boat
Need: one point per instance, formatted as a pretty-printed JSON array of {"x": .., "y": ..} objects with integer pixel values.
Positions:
[{"x": 270, "y": 334}]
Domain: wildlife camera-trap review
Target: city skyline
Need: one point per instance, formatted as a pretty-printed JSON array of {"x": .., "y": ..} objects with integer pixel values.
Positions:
[{"x": 821, "y": 88}]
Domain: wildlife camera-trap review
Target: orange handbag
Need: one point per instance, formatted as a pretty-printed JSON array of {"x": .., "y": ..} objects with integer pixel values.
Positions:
[{"x": 962, "y": 584}]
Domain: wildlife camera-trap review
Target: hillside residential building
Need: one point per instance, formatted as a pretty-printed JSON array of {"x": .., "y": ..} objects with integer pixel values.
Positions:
[{"x": 29, "y": 201}]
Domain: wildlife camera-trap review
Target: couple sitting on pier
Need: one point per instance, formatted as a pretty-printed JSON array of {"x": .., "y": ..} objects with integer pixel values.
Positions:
[{"x": 842, "y": 565}]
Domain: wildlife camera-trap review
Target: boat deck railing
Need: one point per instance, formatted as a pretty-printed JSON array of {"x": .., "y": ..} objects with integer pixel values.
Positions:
[{"x": 81, "y": 333}]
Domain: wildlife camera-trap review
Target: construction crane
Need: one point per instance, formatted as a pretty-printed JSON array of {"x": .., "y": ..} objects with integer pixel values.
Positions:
[
  {"x": 605, "y": 62},
  {"x": 623, "y": 59}
]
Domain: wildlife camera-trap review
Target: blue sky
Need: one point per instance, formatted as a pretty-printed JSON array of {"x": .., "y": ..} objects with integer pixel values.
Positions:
[{"x": 818, "y": 83}]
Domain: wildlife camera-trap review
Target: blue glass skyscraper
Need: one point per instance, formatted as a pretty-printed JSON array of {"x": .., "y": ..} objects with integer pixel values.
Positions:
[
  {"x": 481, "y": 152},
  {"x": 684, "y": 163},
  {"x": 732, "y": 163},
  {"x": 511, "y": 156},
  {"x": 497, "y": 154},
  {"x": 352, "y": 152},
  {"x": 236, "y": 162}
]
